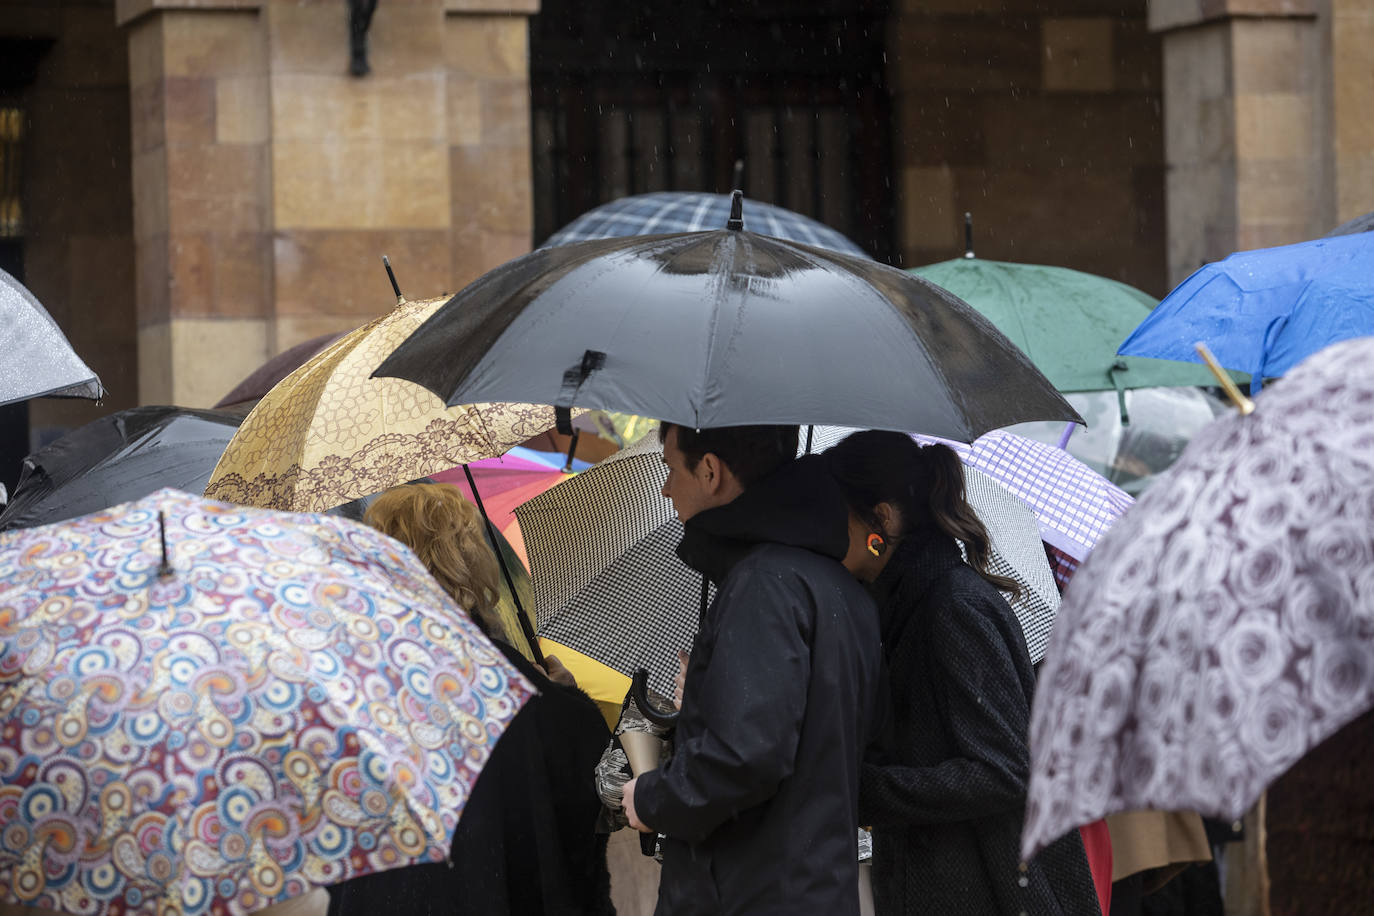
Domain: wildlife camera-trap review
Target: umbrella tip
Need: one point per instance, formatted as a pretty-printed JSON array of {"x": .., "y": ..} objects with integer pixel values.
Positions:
[
  {"x": 164, "y": 569},
  {"x": 736, "y": 220},
  {"x": 968, "y": 235},
  {"x": 390, "y": 275},
  {"x": 1243, "y": 404}
]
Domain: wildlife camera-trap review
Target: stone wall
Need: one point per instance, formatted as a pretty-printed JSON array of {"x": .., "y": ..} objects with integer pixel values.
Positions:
[
  {"x": 78, "y": 246},
  {"x": 1269, "y": 136},
  {"x": 1043, "y": 120},
  {"x": 269, "y": 182},
  {"x": 201, "y": 186}
]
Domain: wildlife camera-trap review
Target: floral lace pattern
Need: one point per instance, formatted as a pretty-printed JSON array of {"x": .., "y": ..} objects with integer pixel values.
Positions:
[{"x": 330, "y": 433}]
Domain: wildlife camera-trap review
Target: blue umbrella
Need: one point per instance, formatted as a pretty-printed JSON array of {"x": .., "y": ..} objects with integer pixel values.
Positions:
[
  {"x": 1264, "y": 311},
  {"x": 689, "y": 211}
]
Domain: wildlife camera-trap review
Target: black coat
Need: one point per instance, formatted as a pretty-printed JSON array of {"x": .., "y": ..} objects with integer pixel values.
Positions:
[
  {"x": 759, "y": 800},
  {"x": 526, "y": 842},
  {"x": 946, "y": 794}
]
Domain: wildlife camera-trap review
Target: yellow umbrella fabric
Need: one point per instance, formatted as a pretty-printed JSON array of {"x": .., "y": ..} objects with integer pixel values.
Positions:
[
  {"x": 602, "y": 683},
  {"x": 329, "y": 433}
]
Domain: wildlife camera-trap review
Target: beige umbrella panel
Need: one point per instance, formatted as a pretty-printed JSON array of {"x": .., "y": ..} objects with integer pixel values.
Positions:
[{"x": 329, "y": 432}]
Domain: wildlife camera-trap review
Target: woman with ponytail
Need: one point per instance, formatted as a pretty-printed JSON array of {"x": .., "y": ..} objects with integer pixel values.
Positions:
[{"x": 944, "y": 787}]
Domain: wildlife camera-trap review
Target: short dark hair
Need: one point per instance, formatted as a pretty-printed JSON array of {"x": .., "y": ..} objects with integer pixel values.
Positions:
[{"x": 750, "y": 452}]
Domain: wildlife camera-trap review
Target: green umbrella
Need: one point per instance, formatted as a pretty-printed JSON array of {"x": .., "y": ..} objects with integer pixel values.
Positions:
[{"x": 1068, "y": 322}]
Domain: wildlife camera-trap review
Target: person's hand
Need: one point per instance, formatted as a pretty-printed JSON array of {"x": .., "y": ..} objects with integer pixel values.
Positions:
[
  {"x": 558, "y": 672},
  {"x": 681, "y": 681},
  {"x": 628, "y": 803}
]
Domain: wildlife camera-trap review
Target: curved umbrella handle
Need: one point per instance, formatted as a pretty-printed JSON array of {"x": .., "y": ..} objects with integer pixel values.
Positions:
[{"x": 639, "y": 687}]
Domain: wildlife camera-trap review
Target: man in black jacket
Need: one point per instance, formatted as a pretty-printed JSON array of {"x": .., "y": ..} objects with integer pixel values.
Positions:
[{"x": 759, "y": 801}]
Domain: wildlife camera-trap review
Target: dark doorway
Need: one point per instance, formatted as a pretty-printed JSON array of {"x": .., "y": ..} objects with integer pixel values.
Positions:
[{"x": 667, "y": 96}]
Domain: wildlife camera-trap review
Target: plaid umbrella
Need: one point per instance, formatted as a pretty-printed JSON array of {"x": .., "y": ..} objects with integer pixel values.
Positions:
[
  {"x": 1225, "y": 625},
  {"x": 608, "y": 582},
  {"x": 292, "y": 703},
  {"x": 1074, "y": 504},
  {"x": 685, "y": 211}
]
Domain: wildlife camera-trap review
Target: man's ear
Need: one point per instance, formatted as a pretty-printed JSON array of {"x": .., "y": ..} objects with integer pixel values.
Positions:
[{"x": 708, "y": 471}]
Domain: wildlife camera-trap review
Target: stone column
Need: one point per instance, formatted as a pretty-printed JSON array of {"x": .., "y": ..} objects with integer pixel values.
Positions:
[
  {"x": 268, "y": 182},
  {"x": 1352, "y": 106},
  {"x": 202, "y": 184},
  {"x": 1267, "y": 133}
]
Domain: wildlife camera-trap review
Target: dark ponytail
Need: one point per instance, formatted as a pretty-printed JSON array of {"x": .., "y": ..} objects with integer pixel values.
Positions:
[{"x": 926, "y": 484}]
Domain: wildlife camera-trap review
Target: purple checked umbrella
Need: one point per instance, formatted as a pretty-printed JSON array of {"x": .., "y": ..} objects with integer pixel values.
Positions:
[
  {"x": 1225, "y": 625},
  {"x": 1074, "y": 504}
]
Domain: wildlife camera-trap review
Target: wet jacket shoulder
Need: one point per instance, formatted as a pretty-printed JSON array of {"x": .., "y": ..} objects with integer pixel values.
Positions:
[{"x": 759, "y": 801}]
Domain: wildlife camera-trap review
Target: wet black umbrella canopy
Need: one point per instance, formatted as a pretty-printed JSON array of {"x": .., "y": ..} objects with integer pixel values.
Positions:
[
  {"x": 726, "y": 328},
  {"x": 117, "y": 458}
]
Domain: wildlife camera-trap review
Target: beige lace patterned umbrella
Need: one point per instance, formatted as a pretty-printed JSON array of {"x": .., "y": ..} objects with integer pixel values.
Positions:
[{"x": 329, "y": 433}]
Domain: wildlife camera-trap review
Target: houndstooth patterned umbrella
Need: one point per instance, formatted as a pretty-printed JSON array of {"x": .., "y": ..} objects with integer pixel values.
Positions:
[
  {"x": 684, "y": 211},
  {"x": 608, "y": 582}
]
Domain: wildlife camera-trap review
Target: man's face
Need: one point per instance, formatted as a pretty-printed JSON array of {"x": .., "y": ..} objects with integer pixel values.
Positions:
[{"x": 689, "y": 491}]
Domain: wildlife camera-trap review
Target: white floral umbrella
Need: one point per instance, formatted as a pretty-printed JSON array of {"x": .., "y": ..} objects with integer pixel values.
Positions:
[{"x": 1225, "y": 625}]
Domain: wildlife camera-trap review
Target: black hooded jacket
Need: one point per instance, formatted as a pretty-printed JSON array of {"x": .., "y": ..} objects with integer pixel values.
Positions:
[{"x": 759, "y": 802}]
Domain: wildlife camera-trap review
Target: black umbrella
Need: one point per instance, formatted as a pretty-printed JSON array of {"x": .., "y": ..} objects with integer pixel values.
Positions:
[
  {"x": 118, "y": 458},
  {"x": 726, "y": 328},
  {"x": 1363, "y": 223}
]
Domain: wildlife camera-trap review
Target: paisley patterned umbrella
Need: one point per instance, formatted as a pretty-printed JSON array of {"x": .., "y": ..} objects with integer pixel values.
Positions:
[
  {"x": 1225, "y": 625},
  {"x": 293, "y": 703},
  {"x": 329, "y": 433}
]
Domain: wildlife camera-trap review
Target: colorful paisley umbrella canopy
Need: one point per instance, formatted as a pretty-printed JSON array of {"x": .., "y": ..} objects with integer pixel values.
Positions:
[{"x": 274, "y": 703}]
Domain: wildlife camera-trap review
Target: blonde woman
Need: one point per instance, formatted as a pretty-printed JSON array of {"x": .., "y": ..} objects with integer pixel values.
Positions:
[
  {"x": 446, "y": 532},
  {"x": 527, "y": 841}
]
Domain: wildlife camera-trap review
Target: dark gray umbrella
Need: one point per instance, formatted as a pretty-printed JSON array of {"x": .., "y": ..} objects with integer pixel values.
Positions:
[
  {"x": 118, "y": 458},
  {"x": 726, "y": 328},
  {"x": 1359, "y": 224}
]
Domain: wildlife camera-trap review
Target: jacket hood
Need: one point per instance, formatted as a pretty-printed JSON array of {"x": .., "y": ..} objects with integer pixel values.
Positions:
[{"x": 799, "y": 505}]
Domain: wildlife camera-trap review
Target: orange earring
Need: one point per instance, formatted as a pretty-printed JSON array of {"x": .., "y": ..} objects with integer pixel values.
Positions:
[{"x": 876, "y": 545}]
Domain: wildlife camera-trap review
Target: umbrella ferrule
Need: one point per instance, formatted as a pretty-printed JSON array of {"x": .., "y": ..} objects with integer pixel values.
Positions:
[
  {"x": 164, "y": 569},
  {"x": 391, "y": 275},
  {"x": 736, "y": 220}
]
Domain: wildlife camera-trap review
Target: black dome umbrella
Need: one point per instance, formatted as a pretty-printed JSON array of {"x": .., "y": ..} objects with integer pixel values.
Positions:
[
  {"x": 118, "y": 458},
  {"x": 726, "y": 328}
]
